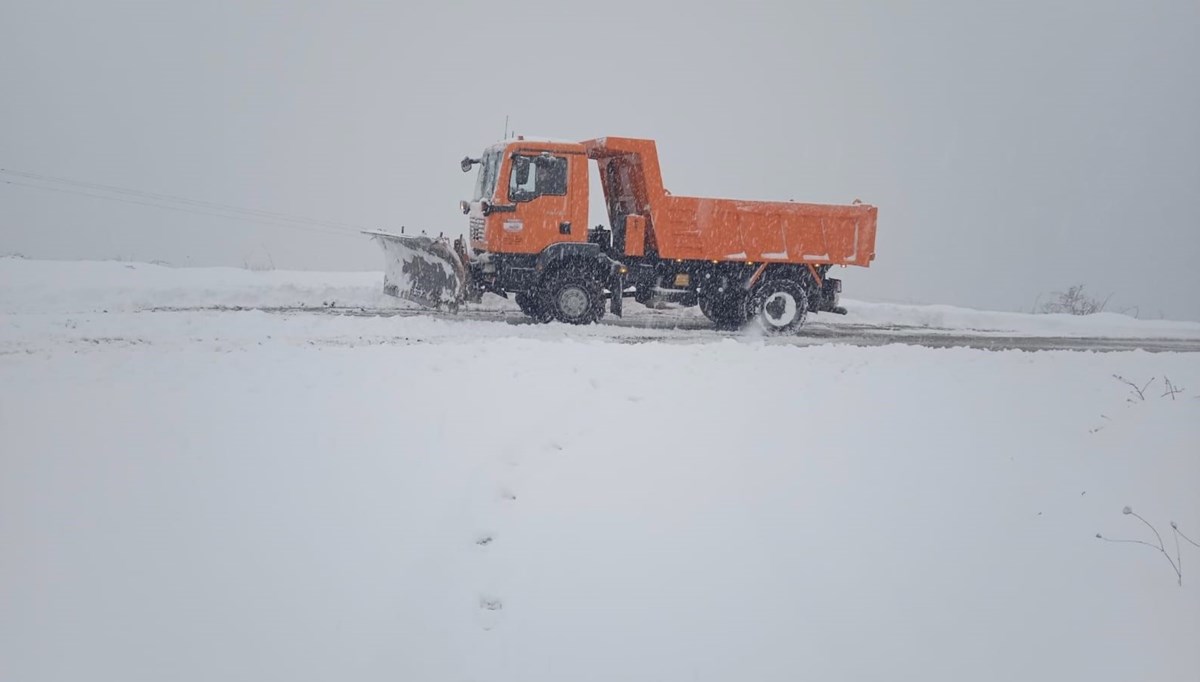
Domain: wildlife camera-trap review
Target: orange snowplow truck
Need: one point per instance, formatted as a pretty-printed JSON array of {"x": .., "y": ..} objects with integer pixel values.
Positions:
[{"x": 740, "y": 261}]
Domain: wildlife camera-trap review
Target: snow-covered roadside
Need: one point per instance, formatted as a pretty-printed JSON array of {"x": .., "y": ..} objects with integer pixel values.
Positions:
[
  {"x": 37, "y": 286},
  {"x": 71, "y": 287},
  {"x": 240, "y": 328},
  {"x": 946, "y": 317},
  {"x": 510, "y": 508},
  {"x": 197, "y": 494}
]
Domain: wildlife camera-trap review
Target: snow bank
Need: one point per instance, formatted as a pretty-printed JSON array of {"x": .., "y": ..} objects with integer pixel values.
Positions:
[
  {"x": 944, "y": 317},
  {"x": 28, "y": 286}
]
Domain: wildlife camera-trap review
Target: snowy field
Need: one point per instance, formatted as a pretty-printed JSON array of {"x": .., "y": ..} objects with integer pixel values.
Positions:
[{"x": 194, "y": 492}]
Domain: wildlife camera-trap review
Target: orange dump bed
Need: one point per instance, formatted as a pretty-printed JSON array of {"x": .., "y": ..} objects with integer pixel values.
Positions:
[{"x": 727, "y": 229}]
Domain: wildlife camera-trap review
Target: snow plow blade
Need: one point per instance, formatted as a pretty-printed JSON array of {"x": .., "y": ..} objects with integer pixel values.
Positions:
[{"x": 421, "y": 269}]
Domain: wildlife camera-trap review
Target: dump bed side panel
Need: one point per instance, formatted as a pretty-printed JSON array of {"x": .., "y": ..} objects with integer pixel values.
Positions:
[
  {"x": 786, "y": 232},
  {"x": 695, "y": 228}
]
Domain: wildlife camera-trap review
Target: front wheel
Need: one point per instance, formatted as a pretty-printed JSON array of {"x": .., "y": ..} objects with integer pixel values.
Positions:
[
  {"x": 779, "y": 306},
  {"x": 531, "y": 305},
  {"x": 573, "y": 296}
]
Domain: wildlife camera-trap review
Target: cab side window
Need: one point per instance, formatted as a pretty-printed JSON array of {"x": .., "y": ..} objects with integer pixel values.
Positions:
[{"x": 535, "y": 176}]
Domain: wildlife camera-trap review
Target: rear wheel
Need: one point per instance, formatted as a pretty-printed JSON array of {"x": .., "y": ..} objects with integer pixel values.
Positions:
[
  {"x": 573, "y": 296},
  {"x": 779, "y": 306}
]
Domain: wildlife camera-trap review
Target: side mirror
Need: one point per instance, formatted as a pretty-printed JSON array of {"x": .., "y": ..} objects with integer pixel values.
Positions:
[
  {"x": 467, "y": 162},
  {"x": 521, "y": 168}
]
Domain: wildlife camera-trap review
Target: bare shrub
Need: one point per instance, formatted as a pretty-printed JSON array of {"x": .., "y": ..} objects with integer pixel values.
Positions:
[
  {"x": 1158, "y": 544},
  {"x": 1074, "y": 301},
  {"x": 259, "y": 260},
  {"x": 1134, "y": 389},
  {"x": 1172, "y": 389}
]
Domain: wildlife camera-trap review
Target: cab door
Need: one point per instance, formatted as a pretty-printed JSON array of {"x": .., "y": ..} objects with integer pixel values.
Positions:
[{"x": 537, "y": 188}]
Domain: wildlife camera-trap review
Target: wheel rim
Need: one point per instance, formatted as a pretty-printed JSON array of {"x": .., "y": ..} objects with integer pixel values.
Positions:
[
  {"x": 573, "y": 302},
  {"x": 780, "y": 309}
]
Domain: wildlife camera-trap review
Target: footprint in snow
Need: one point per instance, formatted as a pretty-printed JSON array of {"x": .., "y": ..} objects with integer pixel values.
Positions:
[
  {"x": 489, "y": 611},
  {"x": 484, "y": 540}
]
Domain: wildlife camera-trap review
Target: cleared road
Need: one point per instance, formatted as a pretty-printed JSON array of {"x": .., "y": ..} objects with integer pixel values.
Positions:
[{"x": 682, "y": 327}]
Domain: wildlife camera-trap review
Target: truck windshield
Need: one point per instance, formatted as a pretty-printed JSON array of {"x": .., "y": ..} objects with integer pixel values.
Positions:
[{"x": 485, "y": 183}]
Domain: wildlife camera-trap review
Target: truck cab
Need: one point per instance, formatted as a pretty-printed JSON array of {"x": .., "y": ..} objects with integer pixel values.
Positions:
[{"x": 528, "y": 196}]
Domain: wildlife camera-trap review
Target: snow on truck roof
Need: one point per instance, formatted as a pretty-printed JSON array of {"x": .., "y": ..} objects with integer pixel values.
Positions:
[{"x": 613, "y": 143}]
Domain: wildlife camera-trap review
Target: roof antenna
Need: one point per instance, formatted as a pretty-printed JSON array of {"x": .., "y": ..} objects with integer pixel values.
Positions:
[{"x": 505, "y": 127}]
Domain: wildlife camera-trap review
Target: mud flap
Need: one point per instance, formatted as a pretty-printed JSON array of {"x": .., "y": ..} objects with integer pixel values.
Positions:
[
  {"x": 617, "y": 295},
  {"x": 828, "y": 297},
  {"x": 421, "y": 269}
]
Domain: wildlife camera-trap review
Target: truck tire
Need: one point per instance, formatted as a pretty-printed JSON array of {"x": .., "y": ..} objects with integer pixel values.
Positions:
[
  {"x": 779, "y": 306},
  {"x": 530, "y": 303},
  {"x": 727, "y": 311},
  {"x": 573, "y": 295}
]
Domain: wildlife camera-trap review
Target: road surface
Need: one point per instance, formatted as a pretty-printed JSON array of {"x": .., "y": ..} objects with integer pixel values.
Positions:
[{"x": 685, "y": 327}]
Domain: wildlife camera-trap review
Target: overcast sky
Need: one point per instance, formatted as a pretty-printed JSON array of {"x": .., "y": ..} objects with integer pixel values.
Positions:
[{"x": 1013, "y": 149}]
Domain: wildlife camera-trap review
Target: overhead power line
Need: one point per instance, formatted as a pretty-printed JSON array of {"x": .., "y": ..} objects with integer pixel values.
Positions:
[
  {"x": 173, "y": 203},
  {"x": 178, "y": 208}
]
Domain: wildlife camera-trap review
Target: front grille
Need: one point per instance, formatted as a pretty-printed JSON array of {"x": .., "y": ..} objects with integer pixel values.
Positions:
[{"x": 477, "y": 229}]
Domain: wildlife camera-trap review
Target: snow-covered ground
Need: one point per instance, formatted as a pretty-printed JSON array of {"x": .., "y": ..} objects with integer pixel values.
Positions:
[
  {"x": 32, "y": 286},
  {"x": 36, "y": 286},
  {"x": 209, "y": 494}
]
